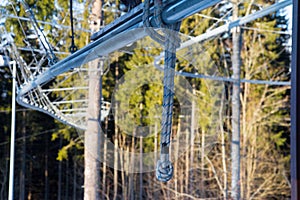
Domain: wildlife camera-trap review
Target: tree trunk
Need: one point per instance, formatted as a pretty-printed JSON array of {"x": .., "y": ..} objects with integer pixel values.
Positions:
[
  {"x": 59, "y": 171},
  {"x": 23, "y": 157},
  {"x": 67, "y": 180},
  {"x": 141, "y": 157},
  {"x": 122, "y": 165},
  {"x": 221, "y": 114},
  {"x": 29, "y": 196},
  {"x": 202, "y": 163},
  {"x": 74, "y": 177},
  {"x": 3, "y": 189},
  {"x": 131, "y": 174},
  {"x": 46, "y": 168},
  {"x": 116, "y": 146},
  {"x": 176, "y": 151},
  {"x": 104, "y": 166},
  {"x": 155, "y": 155},
  {"x": 235, "y": 142},
  {"x": 92, "y": 134},
  {"x": 92, "y": 137},
  {"x": 141, "y": 168},
  {"x": 187, "y": 163},
  {"x": 192, "y": 140}
]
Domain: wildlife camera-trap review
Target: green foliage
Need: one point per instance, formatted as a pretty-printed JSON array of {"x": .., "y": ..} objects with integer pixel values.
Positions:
[
  {"x": 63, "y": 152},
  {"x": 278, "y": 139},
  {"x": 265, "y": 117}
]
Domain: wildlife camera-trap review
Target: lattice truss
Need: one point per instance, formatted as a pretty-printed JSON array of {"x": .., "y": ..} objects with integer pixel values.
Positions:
[
  {"x": 56, "y": 83},
  {"x": 54, "y": 98}
]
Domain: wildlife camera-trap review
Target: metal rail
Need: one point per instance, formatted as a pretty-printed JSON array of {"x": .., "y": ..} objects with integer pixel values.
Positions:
[
  {"x": 58, "y": 26},
  {"x": 175, "y": 12},
  {"x": 295, "y": 107},
  {"x": 123, "y": 31},
  {"x": 110, "y": 39},
  {"x": 42, "y": 38},
  {"x": 223, "y": 29},
  {"x": 239, "y": 22}
]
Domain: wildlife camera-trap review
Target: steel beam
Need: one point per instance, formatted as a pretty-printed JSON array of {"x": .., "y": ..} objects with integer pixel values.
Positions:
[
  {"x": 172, "y": 13},
  {"x": 295, "y": 106},
  {"x": 96, "y": 49},
  {"x": 125, "y": 30},
  {"x": 70, "y": 101},
  {"x": 239, "y": 22},
  {"x": 112, "y": 37},
  {"x": 64, "y": 89},
  {"x": 12, "y": 135},
  {"x": 179, "y": 10}
]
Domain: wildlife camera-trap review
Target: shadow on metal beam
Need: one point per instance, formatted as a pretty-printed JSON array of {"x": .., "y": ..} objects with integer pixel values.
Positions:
[{"x": 295, "y": 105}]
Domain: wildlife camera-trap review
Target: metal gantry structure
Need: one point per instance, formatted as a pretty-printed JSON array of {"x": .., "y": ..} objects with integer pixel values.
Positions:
[
  {"x": 125, "y": 30},
  {"x": 295, "y": 108}
]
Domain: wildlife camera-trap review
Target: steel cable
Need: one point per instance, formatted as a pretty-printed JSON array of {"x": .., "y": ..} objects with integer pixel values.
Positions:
[{"x": 171, "y": 41}]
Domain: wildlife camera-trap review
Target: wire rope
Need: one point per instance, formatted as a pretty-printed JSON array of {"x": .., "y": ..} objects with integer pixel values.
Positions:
[
  {"x": 43, "y": 40},
  {"x": 73, "y": 47},
  {"x": 59, "y": 26},
  {"x": 171, "y": 41},
  {"x": 23, "y": 31},
  {"x": 36, "y": 99}
]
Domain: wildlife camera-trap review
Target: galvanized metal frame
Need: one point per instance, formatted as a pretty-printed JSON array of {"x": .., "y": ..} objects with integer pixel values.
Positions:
[
  {"x": 122, "y": 32},
  {"x": 114, "y": 36},
  {"x": 295, "y": 105}
]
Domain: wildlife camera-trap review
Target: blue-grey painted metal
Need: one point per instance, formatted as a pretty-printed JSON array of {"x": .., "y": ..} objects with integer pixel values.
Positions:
[
  {"x": 114, "y": 36},
  {"x": 4, "y": 61},
  {"x": 223, "y": 29},
  {"x": 13, "y": 134},
  {"x": 239, "y": 22},
  {"x": 123, "y": 23},
  {"x": 94, "y": 50},
  {"x": 179, "y": 10},
  {"x": 164, "y": 168},
  {"x": 295, "y": 106},
  {"x": 171, "y": 13}
]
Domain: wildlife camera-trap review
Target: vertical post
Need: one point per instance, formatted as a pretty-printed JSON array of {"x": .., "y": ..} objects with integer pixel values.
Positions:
[
  {"x": 12, "y": 139},
  {"x": 141, "y": 168},
  {"x": 235, "y": 120},
  {"x": 141, "y": 153},
  {"x": 295, "y": 107},
  {"x": 92, "y": 133},
  {"x": 192, "y": 138}
]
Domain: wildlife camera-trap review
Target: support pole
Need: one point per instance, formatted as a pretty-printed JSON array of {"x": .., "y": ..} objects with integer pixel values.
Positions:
[
  {"x": 12, "y": 135},
  {"x": 295, "y": 106},
  {"x": 236, "y": 112}
]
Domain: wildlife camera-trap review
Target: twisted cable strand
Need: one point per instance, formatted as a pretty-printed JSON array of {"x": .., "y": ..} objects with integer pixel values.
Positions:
[
  {"x": 170, "y": 40},
  {"x": 147, "y": 25},
  {"x": 164, "y": 168}
]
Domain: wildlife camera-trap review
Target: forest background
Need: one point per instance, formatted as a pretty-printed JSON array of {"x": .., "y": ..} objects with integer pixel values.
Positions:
[{"x": 49, "y": 154}]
